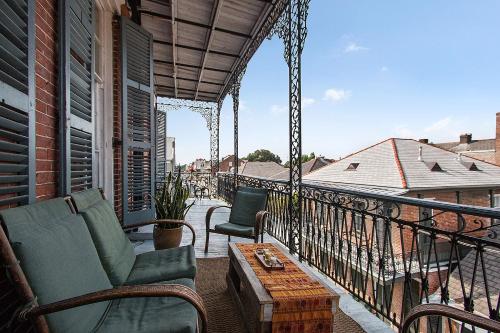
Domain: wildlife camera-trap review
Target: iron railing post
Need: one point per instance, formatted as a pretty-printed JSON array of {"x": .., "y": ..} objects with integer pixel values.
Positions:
[{"x": 235, "y": 92}]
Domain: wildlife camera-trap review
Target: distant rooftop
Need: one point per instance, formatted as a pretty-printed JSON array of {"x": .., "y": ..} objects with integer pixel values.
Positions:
[
  {"x": 483, "y": 149},
  {"x": 261, "y": 169},
  {"x": 307, "y": 167},
  {"x": 406, "y": 164}
]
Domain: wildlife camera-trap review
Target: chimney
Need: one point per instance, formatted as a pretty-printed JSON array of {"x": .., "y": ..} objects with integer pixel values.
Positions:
[
  {"x": 420, "y": 153},
  {"x": 426, "y": 141},
  {"x": 497, "y": 140},
  {"x": 466, "y": 138}
]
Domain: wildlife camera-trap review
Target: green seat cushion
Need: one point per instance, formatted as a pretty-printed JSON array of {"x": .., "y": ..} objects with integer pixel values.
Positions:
[
  {"x": 246, "y": 205},
  {"x": 86, "y": 199},
  {"x": 115, "y": 249},
  {"x": 58, "y": 257},
  {"x": 151, "y": 314},
  {"x": 155, "y": 266},
  {"x": 235, "y": 229}
]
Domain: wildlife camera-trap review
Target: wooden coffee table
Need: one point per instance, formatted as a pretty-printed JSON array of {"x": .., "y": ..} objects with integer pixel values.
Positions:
[{"x": 255, "y": 303}]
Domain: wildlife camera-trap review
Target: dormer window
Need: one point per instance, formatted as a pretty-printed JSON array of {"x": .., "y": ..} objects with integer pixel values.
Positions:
[
  {"x": 471, "y": 166},
  {"x": 352, "y": 167},
  {"x": 433, "y": 166}
]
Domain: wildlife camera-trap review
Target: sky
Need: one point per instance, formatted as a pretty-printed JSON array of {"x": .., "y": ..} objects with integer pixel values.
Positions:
[{"x": 371, "y": 70}]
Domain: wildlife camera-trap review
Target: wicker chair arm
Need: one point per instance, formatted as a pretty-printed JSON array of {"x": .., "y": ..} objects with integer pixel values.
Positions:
[
  {"x": 164, "y": 290},
  {"x": 210, "y": 212},
  {"x": 260, "y": 218},
  {"x": 163, "y": 221}
]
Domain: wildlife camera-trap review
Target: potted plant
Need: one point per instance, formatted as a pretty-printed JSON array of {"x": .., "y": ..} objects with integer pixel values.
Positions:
[{"x": 170, "y": 205}]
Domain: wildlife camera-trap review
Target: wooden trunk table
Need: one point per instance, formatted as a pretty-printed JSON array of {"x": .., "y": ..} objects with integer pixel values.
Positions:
[{"x": 255, "y": 303}]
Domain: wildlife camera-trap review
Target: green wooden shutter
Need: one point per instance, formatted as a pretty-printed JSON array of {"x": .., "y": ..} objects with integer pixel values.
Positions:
[
  {"x": 138, "y": 123},
  {"x": 161, "y": 146},
  {"x": 76, "y": 79},
  {"x": 17, "y": 91}
]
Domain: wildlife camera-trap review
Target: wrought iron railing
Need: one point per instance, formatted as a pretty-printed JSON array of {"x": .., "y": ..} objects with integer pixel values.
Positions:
[{"x": 391, "y": 252}]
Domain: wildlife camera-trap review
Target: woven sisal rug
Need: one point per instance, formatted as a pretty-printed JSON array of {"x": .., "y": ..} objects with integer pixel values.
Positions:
[{"x": 223, "y": 315}]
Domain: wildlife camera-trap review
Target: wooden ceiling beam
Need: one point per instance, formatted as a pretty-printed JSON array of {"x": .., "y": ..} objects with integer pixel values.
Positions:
[
  {"x": 214, "y": 18},
  {"x": 188, "y": 79},
  {"x": 192, "y": 66},
  {"x": 187, "y": 89},
  {"x": 193, "y": 23},
  {"x": 173, "y": 8},
  {"x": 194, "y": 48}
]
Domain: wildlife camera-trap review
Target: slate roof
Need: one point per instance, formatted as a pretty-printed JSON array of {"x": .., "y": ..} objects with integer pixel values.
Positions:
[
  {"x": 261, "y": 169},
  {"x": 395, "y": 164},
  {"x": 491, "y": 258}
]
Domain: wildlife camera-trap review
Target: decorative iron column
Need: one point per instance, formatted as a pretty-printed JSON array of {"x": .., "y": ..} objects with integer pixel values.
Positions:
[
  {"x": 235, "y": 93},
  {"x": 214, "y": 145},
  {"x": 291, "y": 28}
]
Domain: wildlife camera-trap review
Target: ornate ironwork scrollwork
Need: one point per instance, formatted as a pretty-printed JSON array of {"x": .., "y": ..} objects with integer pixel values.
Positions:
[
  {"x": 211, "y": 113},
  {"x": 235, "y": 93}
]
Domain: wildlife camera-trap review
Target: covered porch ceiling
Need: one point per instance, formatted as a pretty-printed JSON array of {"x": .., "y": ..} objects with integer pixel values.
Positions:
[{"x": 200, "y": 45}]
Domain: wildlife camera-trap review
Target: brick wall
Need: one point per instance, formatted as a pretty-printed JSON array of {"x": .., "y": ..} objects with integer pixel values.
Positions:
[
  {"x": 117, "y": 116},
  {"x": 46, "y": 100}
]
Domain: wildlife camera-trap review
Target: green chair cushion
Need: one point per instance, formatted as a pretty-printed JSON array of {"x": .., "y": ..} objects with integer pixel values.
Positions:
[
  {"x": 246, "y": 205},
  {"x": 151, "y": 314},
  {"x": 154, "y": 266},
  {"x": 59, "y": 259},
  {"x": 114, "y": 248},
  {"x": 86, "y": 199},
  {"x": 235, "y": 229}
]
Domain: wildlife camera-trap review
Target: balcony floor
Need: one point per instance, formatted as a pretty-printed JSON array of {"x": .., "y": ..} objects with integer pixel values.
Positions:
[{"x": 353, "y": 317}]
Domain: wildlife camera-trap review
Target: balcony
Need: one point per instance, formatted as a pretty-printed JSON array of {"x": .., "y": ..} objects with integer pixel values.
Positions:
[
  {"x": 86, "y": 87},
  {"x": 385, "y": 268}
]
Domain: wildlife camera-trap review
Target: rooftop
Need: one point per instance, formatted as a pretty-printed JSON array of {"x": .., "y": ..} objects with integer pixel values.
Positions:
[
  {"x": 261, "y": 169},
  {"x": 406, "y": 164}
]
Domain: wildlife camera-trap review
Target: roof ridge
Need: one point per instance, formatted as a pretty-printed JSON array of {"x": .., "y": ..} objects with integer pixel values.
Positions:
[
  {"x": 364, "y": 149},
  {"x": 398, "y": 164}
]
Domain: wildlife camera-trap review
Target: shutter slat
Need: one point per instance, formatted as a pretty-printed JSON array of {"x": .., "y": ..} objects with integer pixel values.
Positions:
[
  {"x": 79, "y": 152},
  {"x": 16, "y": 25}
]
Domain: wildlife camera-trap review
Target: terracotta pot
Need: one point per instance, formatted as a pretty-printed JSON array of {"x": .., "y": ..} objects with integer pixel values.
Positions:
[{"x": 166, "y": 238}]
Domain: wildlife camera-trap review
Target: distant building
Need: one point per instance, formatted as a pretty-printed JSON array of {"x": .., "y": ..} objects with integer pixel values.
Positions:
[
  {"x": 200, "y": 165},
  {"x": 226, "y": 165},
  {"x": 307, "y": 167},
  {"x": 170, "y": 160},
  {"x": 261, "y": 169},
  {"x": 487, "y": 150}
]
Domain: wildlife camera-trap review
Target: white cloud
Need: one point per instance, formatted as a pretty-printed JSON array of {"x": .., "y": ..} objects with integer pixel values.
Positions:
[
  {"x": 439, "y": 125},
  {"x": 353, "y": 47},
  {"x": 306, "y": 102},
  {"x": 336, "y": 95},
  {"x": 279, "y": 109},
  {"x": 384, "y": 69},
  {"x": 402, "y": 131}
]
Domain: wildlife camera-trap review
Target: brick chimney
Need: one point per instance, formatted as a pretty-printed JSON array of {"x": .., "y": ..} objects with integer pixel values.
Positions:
[
  {"x": 467, "y": 138},
  {"x": 426, "y": 141},
  {"x": 497, "y": 140}
]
